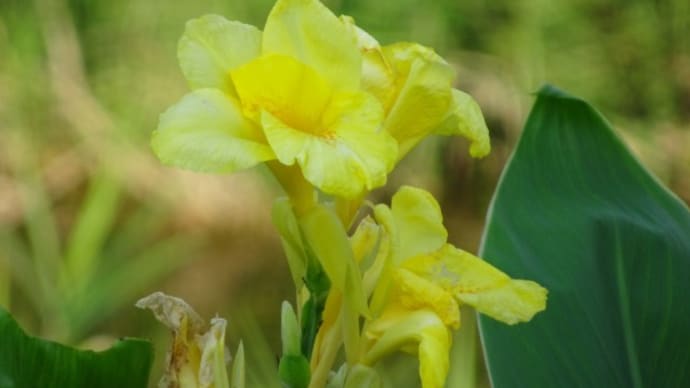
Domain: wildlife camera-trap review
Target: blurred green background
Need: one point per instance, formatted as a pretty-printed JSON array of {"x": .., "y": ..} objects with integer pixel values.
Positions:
[{"x": 90, "y": 221}]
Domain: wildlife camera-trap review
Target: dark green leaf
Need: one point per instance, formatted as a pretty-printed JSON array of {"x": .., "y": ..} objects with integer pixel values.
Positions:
[
  {"x": 27, "y": 362},
  {"x": 577, "y": 213}
]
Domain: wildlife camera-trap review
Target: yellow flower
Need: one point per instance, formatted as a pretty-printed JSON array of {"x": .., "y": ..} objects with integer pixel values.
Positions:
[
  {"x": 425, "y": 280},
  {"x": 291, "y": 93},
  {"x": 414, "y": 85}
]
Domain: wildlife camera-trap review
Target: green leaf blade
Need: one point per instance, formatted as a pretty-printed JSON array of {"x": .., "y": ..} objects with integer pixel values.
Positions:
[
  {"x": 576, "y": 212},
  {"x": 32, "y": 362}
]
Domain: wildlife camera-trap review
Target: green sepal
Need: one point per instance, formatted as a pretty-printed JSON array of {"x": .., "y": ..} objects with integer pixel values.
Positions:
[
  {"x": 285, "y": 221},
  {"x": 289, "y": 330},
  {"x": 294, "y": 371}
]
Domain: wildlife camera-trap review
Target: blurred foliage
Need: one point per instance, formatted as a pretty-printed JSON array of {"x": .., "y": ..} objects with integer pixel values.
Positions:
[{"x": 89, "y": 220}]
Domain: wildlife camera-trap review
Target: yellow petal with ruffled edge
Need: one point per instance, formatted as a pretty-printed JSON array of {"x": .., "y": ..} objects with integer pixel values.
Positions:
[
  {"x": 415, "y": 292},
  {"x": 421, "y": 332},
  {"x": 206, "y": 131},
  {"x": 211, "y": 46},
  {"x": 413, "y": 225},
  {"x": 465, "y": 118},
  {"x": 477, "y": 283},
  {"x": 423, "y": 80},
  {"x": 378, "y": 77},
  {"x": 308, "y": 31},
  {"x": 334, "y": 136}
]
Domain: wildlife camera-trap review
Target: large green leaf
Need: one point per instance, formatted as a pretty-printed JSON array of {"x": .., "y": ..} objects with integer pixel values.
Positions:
[
  {"x": 27, "y": 362},
  {"x": 576, "y": 212}
]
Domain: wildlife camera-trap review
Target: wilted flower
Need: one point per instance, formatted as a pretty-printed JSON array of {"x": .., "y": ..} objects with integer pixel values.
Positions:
[{"x": 198, "y": 356}]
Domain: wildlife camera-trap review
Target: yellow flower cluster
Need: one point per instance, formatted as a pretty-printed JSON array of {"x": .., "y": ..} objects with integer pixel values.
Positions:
[
  {"x": 415, "y": 283},
  {"x": 311, "y": 90},
  {"x": 332, "y": 110}
]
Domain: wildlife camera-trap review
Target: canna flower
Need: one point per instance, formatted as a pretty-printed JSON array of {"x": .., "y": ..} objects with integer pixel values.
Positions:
[
  {"x": 312, "y": 91},
  {"x": 424, "y": 281},
  {"x": 414, "y": 85},
  {"x": 197, "y": 359},
  {"x": 291, "y": 93}
]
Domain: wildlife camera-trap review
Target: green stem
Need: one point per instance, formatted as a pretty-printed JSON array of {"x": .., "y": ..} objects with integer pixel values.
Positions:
[
  {"x": 301, "y": 193},
  {"x": 463, "y": 356}
]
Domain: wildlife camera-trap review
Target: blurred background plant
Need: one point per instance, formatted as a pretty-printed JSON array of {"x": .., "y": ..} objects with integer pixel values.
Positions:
[{"x": 90, "y": 221}]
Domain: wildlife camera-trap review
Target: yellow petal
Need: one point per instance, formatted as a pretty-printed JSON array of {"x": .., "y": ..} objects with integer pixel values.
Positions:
[
  {"x": 416, "y": 292},
  {"x": 465, "y": 118},
  {"x": 306, "y": 30},
  {"x": 477, "y": 283},
  {"x": 371, "y": 246},
  {"x": 212, "y": 46},
  {"x": 513, "y": 302},
  {"x": 419, "y": 222},
  {"x": 206, "y": 131},
  {"x": 292, "y": 92},
  {"x": 333, "y": 135},
  {"x": 433, "y": 353},
  {"x": 423, "y": 81},
  {"x": 404, "y": 329},
  {"x": 348, "y": 163},
  {"x": 365, "y": 241},
  {"x": 391, "y": 249},
  {"x": 378, "y": 77}
]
